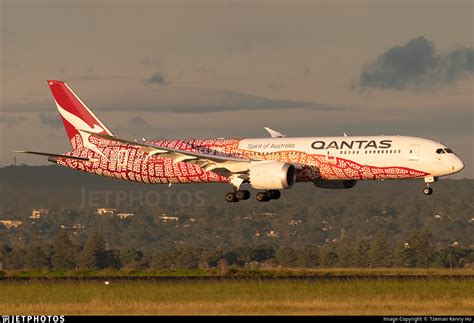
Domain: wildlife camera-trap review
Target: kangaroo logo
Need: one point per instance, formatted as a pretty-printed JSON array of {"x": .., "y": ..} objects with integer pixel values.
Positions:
[{"x": 79, "y": 125}]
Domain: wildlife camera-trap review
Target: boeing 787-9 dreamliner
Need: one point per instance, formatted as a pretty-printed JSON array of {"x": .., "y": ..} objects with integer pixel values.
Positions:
[{"x": 267, "y": 164}]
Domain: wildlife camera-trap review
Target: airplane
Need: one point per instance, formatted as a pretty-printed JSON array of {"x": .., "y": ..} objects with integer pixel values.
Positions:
[{"x": 267, "y": 164}]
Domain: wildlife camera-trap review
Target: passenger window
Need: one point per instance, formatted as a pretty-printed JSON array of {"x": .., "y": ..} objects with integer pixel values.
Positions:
[
  {"x": 449, "y": 151},
  {"x": 439, "y": 151}
]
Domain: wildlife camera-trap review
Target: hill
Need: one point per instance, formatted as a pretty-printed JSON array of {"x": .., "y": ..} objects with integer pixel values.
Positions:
[{"x": 151, "y": 218}]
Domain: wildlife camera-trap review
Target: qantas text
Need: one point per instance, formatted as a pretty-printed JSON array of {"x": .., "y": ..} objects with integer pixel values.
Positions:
[{"x": 355, "y": 144}]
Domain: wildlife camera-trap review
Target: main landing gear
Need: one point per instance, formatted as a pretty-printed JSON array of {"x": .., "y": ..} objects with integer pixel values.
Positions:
[
  {"x": 268, "y": 195},
  {"x": 237, "y": 196},
  {"x": 245, "y": 195}
]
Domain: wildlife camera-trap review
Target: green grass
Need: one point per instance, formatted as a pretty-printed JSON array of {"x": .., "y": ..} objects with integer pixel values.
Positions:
[{"x": 372, "y": 297}]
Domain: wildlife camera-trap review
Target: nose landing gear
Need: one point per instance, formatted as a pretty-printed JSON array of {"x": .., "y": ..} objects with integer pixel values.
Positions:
[{"x": 428, "y": 180}]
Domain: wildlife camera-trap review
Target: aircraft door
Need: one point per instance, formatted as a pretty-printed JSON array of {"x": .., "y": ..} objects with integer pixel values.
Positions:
[
  {"x": 414, "y": 153},
  {"x": 330, "y": 155}
]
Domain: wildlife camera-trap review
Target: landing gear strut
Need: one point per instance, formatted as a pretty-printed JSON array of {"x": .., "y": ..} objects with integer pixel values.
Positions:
[
  {"x": 237, "y": 196},
  {"x": 428, "y": 180},
  {"x": 268, "y": 195}
]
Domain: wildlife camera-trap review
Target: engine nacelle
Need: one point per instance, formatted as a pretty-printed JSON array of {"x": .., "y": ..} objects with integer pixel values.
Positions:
[
  {"x": 335, "y": 185},
  {"x": 272, "y": 175}
]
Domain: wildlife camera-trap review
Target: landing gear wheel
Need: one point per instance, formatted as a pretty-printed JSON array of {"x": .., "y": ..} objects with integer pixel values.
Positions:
[
  {"x": 246, "y": 194},
  {"x": 242, "y": 195},
  {"x": 427, "y": 191},
  {"x": 262, "y": 197},
  {"x": 274, "y": 194},
  {"x": 230, "y": 197}
]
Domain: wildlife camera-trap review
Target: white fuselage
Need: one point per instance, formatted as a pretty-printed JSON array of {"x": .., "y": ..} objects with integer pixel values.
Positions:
[{"x": 377, "y": 151}]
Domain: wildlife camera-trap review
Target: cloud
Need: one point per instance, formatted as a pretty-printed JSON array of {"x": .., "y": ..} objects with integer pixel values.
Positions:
[
  {"x": 275, "y": 85},
  {"x": 150, "y": 61},
  {"x": 278, "y": 82},
  {"x": 306, "y": 71},
  {"x": 53, "y": 121},
  {"x": 416, "y": 65},
  {"x": 139, "y": 122},
  {"x": 172, "y": 99},
  {"x": 157, "y": 78},
  {"x": 9, "y": 120},
  {"x": 95, "y": 77}
]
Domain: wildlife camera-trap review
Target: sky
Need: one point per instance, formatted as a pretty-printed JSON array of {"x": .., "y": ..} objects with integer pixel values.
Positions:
[{"x": 199, "y": 69}]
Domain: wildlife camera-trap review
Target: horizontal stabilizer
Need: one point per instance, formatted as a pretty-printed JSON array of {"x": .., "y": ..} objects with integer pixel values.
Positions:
[{"x": 54, "y": 157}]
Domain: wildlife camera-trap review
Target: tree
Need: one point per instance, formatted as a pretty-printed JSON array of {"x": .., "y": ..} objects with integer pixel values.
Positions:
[
  {"x": 454, "y": 257},
  {"x": 94, "y": 255},
  {"x": 262, "y": 253},
  {"x": 186, "y": 258},
  {"x": 329, "y": 257},
  {"x": 422, "y": 248},
  {"x": 309, "y": 257},
  {"x": 286, "y": 256},
  {"x": 361, "y": 257},
  {"x": 380, "y": 253},
  {"x": 4, "y": 253},
  {"x": 345, "y": 252},
  {"x": 112, "y": 259},
  {"x": 64, "y": 252},
  {"x": 404, "y": 256},
  {"x": 163, "y": 259},
  {"x": 233, "y": 258},
  {"x": 131, "y": 259},
  {"x": 36, "y": 258}
]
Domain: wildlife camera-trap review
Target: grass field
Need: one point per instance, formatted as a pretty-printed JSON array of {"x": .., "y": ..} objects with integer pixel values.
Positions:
[{"x": 356, "y": 297}]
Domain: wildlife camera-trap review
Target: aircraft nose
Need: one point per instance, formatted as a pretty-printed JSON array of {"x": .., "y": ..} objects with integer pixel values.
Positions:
[{"x": 458, "y": 165}]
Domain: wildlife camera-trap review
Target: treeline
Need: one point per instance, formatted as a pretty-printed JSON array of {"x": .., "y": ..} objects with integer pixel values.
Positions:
[{"x": 375, "y": 252}]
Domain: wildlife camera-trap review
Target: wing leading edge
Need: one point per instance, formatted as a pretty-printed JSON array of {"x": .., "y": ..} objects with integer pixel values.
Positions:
[{"x": 209, "y": 162}]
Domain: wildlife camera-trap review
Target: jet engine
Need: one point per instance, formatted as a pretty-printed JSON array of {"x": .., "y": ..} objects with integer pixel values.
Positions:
[
  {"x": 272, "y": 175},
  {"x": 335, "y": 185}
]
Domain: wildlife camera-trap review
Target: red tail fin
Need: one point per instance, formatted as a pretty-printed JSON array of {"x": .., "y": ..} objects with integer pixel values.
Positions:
[{"x": 75, "y": 115}]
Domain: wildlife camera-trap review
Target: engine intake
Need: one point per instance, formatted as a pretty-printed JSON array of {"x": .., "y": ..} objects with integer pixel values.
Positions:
[
  {"x": 335, "y": 185},
  {"x": 272, "y": 175}
]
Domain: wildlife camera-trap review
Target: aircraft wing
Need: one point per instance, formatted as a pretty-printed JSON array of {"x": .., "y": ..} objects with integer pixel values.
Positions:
[
  {"x": 207, "y": 161},
  {"x": 55, "y": 156}
]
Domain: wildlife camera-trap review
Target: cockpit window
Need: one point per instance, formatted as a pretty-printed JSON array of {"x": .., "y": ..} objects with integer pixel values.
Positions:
[
  {"x": 440, "y": 151},
  {"x": 449, "y": 151}
]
